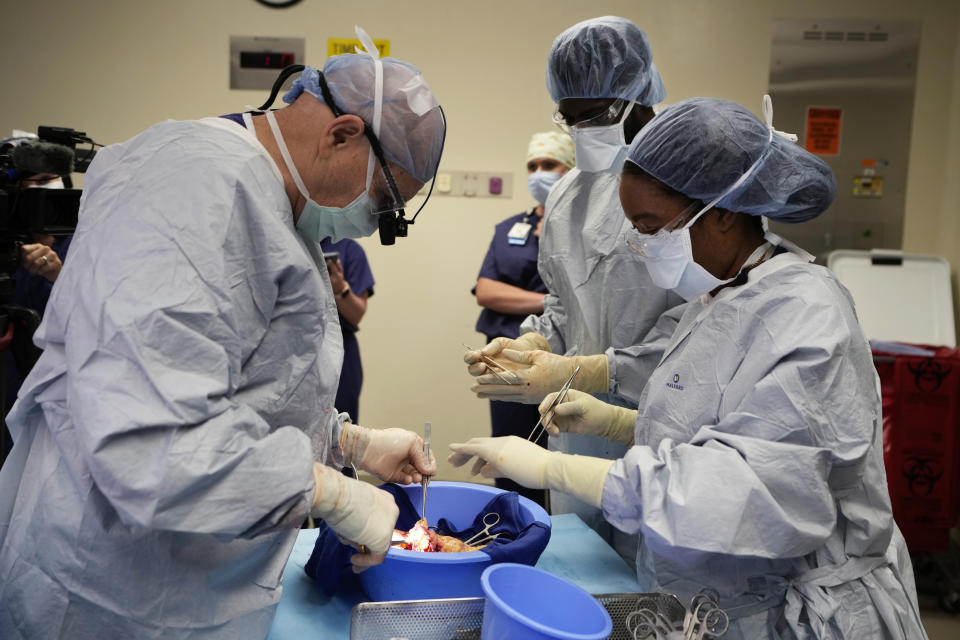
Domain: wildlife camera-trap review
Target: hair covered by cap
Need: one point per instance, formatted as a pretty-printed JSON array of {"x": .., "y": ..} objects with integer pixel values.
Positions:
[
  {"x": 552, "y": 144},
  {"x": 702, "y": 146},
  {"x": 606, "y": 57},
  {"x": 411, "y": 128}
]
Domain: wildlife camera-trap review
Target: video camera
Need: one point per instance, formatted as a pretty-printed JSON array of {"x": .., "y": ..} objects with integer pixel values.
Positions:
[{"x": 25, "y": 211}]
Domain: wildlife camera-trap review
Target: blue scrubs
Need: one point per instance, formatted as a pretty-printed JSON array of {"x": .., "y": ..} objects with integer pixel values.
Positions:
[
  {"x": 356, "y": 271},
  {"x": 514, "y": 264}
]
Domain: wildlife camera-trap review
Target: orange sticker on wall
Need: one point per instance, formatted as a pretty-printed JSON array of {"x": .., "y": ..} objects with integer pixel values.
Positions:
[{"x": 823, "y": 130}]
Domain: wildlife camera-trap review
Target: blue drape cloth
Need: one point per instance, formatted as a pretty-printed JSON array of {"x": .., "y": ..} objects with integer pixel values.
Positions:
[{"x": 522, "y": 539}]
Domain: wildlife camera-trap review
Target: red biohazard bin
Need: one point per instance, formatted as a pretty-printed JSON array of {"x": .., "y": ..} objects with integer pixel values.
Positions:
[{"x": 921, "y": 442}]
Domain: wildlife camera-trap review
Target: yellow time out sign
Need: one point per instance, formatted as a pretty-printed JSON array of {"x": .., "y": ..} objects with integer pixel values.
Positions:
[{"x": 336, "y": 46}]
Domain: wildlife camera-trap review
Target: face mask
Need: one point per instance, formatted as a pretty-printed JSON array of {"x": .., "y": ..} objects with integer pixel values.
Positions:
[
  {"x": 668, "y": 256},
  {"x": 316, "y": 221},
  {"x": 56, "y": 183},
  {"x": 601, "y": 149},
  {"x": 540, "y": 182}
]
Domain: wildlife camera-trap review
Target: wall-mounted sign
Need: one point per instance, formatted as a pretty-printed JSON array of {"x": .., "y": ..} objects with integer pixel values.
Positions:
[
  {"x": 336, "y": 46},
  {"x": 823, "y": 130},
  {"x": 868, "y": 187}
]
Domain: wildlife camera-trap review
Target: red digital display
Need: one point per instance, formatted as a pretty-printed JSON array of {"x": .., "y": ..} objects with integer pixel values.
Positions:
[{"x": 265, "y": 60}]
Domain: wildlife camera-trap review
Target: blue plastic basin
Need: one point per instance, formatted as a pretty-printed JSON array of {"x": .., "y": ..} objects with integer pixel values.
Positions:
[
  {"x": 414, "y": 575},
  {"x": 526, "y": 602}
]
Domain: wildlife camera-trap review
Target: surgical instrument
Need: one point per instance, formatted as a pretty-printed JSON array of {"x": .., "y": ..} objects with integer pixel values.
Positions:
[
  {"x": 425, "y": 480},
  {"x": 493, "y": 365},
  {"x": 557, "y": 400},
  {"x": 483, "y": 536}
]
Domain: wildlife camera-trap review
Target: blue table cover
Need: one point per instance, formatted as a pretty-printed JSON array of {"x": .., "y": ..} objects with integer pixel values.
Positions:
[{"x": 575, "y": 552}]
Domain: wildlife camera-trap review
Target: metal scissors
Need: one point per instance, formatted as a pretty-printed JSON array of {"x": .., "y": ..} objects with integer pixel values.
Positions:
[
  {"x": 483, "y": 536},
  {"x": 705, "y": 618},
  {"x": 557, "y": 400},
  {"x": 493, "y": 366},
  {"x": 648, "y": 623}
]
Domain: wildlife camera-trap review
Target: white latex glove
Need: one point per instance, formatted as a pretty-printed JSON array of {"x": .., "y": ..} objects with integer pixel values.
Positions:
[
  {"x": 393, "y": 455},
  {"x": 533, "y": 466},
  {"x": 582, "y": 413},
  {"x": 361, "y": 514},
  {"x": 526, "y": 342},
  {"x": 541, "y": 372}
]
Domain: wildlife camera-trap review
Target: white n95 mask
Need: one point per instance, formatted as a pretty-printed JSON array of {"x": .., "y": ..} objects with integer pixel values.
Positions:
[
  {"x": 601, "y": 149},
  {"x": 540, "y": 182},
  {"x": 668, "y": 257},
  {"x": 316, "y": 222}
]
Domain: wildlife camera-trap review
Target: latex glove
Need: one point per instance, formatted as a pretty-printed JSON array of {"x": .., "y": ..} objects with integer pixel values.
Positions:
[
  {"x": 526, "y": 342},
  {"x": 361, "y": 514},
  {"x": 393, "y": 455},
  {"x": 541, "y": 372},
  {"x": 533, "y": 466},
  {"x": 582, "y": 413}
]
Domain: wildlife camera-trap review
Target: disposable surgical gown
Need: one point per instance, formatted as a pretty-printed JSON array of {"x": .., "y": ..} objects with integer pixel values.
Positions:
[
  {"x": 164, "y": 441},
  {"x": 600, "y": 300},
  {"x": 758, "y": 467}
]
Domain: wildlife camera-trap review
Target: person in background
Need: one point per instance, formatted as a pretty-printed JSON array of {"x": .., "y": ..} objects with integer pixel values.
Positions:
[
  {"x": 40, "y": 264},
  {"x": 180, "y": 424},
  {"x": 352, "y": 284},
  {"x": 601, "y": 75},
  {"x": 40, "y": 260},
  {"x": 756, "y": 465},
  {"x": 509, "y": 287}
]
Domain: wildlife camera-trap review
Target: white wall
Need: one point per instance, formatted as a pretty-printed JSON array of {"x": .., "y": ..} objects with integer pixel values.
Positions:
[{"x": 114, "y": 67}]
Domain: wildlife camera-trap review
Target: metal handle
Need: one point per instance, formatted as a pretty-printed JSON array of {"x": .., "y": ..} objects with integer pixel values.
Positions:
[{"x": 425, "y": 480}]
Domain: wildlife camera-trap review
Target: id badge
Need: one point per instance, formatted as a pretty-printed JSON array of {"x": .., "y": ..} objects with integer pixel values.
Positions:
[{"x": 519, "y": 233}]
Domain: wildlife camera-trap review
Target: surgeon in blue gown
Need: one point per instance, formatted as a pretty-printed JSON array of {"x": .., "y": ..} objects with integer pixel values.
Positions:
[
  {"x": 601, "y": 75},
  {"x": 756, "y": 463},
  {"x": 180, "y": 424}
]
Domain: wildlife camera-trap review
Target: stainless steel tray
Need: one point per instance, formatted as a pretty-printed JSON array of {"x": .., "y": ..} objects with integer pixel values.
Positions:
[{"x": 462, "y": 618}]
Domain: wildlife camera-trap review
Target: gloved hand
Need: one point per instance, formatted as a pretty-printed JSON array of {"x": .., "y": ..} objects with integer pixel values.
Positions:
[
  {"x": 540, "y": 372},
  {"x": 393, "y": 455},
  {"x": 359, "y": 513},
  {"x": 526, "y": 342},
  {"x": 582, "y": 413},
  {"x": 533, "y": 466}
]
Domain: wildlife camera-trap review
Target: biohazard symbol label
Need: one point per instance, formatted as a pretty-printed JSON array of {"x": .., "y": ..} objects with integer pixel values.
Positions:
[
  {"x": 922, "y": 475},
  {"x": 929, "y": 374}
]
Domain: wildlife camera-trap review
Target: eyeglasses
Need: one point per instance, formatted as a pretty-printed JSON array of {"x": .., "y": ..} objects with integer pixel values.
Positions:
[
  {"x": 602, "y": 117},
  {"x": 649, "y": 245},
  {"x": 385, "y": 196}
]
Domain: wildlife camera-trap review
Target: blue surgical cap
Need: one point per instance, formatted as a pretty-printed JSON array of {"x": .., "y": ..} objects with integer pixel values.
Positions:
[
  {"x": 702, "y": 146},
  {"x": 605, "y": 57},
  {"x": 411, "y": 127}
]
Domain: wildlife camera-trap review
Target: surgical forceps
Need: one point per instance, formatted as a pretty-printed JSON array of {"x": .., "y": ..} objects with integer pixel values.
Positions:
[
  {"x": 557, "y": 400},
  {"x": 484, "y": 536},
  {"x": 425, "y": 480},
  {"x": 493, "y": 365}
]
